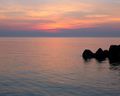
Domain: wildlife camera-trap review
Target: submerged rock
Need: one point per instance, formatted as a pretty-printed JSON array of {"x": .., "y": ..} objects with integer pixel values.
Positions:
[{"x": 115, "y": 67}]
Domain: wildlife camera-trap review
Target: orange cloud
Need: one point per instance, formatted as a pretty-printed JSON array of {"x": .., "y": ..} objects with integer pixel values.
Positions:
[{"x": 59, "y": 15}]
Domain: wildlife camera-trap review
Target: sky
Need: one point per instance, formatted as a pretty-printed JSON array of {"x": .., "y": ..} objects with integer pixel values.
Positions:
[{"x": 62, "y": 18}]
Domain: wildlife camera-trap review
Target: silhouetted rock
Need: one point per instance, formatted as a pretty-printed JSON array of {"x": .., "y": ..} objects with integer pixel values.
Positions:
[
  {"x": 87, "y": 54},
  {"x": 100, "y": 55},
  {"x": 113, "y": 54},
  {"x": 106, "y": 53}
]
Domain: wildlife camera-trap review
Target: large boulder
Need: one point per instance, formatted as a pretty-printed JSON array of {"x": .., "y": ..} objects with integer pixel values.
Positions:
[
  {"x": 87, "y": 54},
  {"x": 114, "y": 54}
]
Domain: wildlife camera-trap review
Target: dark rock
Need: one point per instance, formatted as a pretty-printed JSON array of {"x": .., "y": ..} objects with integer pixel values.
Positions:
[
  {"x": 100, "y": 55},
  {"x": 114, "y": 54},
  {"x": 87, "y": 54},
  {"x": 106, "y": 53}
]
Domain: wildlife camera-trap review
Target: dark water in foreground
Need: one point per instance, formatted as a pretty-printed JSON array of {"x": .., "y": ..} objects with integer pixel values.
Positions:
[{"x": 54, "y": 67}]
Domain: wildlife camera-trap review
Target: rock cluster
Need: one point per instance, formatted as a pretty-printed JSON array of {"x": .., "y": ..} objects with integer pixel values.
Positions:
[{"x": 113, "y": 54}]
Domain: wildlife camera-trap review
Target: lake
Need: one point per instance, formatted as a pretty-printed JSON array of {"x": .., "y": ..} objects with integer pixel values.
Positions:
[{"x": 55, "y": 67}]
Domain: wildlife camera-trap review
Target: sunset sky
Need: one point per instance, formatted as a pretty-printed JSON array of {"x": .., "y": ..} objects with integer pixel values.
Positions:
[{"x": 59, "y": 17}]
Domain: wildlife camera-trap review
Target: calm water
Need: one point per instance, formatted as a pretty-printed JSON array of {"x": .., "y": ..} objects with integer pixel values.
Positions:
[{"x": 54, "y": 67}]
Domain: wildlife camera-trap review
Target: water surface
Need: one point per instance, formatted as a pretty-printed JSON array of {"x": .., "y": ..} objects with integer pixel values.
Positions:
[{"x": 54, "y": 67}]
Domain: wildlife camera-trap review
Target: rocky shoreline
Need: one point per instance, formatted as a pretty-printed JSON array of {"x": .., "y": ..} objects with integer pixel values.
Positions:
[{"x": 113, "y": 54}]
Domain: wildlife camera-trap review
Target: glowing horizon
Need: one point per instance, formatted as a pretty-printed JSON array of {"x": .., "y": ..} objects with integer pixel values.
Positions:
[{"x": 58, "y": 15}]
